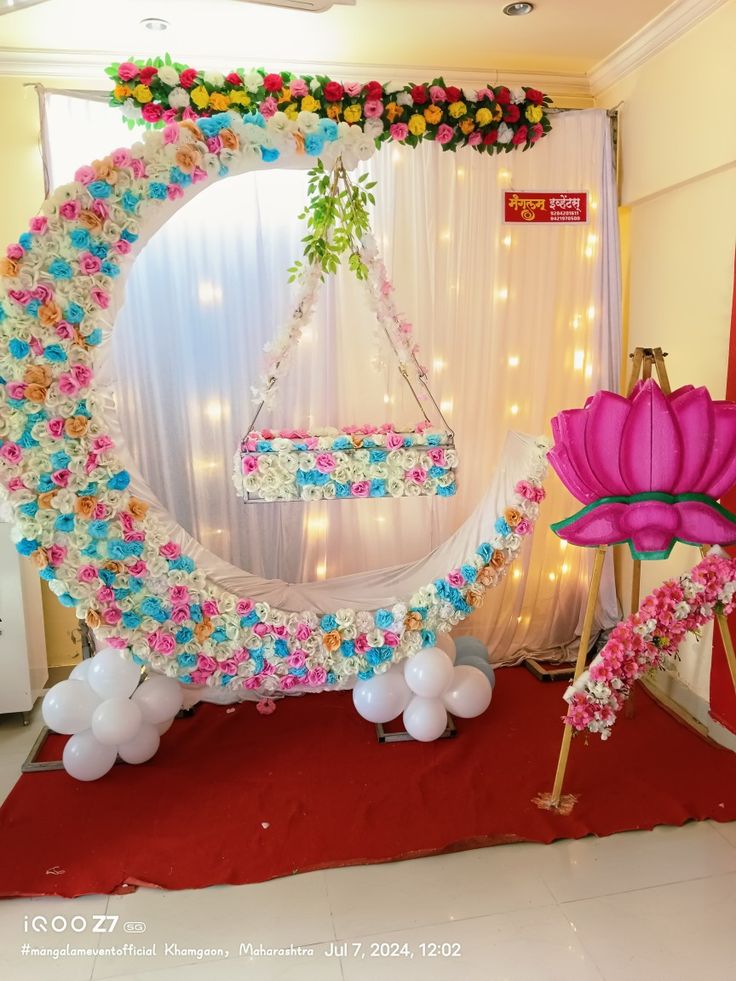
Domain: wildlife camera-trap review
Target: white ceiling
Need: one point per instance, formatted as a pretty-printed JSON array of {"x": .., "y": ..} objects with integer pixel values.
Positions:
[{"x": 561, "y": 36}]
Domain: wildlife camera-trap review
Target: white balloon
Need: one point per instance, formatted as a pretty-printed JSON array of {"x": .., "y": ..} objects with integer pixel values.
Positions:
[
  {"x": 116, "y": 721},
  {"x": 81, "y": 670},
  {"x": 158, "y": 698},
  {"x": 112, "y": 675},
  {"x": 425, "y": 719},
  {"x": 469, "y": 693},
  {"x": 163, "y": 727},
  {"x": 428, "y": 673},
  {"x": 447, "y": 644},
  {"x": 86, "y": 759},
  {"x": 383, "y": 697},
  {"x": 67, "y": 707},
  {"x": 142, "y": 746}
]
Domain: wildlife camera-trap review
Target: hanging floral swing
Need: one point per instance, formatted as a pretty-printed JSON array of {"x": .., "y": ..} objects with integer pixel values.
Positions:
[{"x": 354, "y": 461}]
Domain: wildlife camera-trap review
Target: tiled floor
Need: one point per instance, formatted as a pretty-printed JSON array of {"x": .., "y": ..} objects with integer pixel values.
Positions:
[{"x": 641, "y": 906}]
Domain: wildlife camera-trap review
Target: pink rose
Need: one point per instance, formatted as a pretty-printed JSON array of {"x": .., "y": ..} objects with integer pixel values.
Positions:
[
  {"x": 394, "y": 441},
  {"x": 171, "y": 134},
  {"x": 122, "y": 247},
  {"x": 166, "y": 644},
  {"x": 325, "y": 463},
  {"x": 87, "y": 573},
  {"x": 179, "y": 594},
  {"x": 444, "y": 133},
  {"x": 316, "y": 677},
  {"x": 298, "y": 88},
  {"x": 85, "y": 175},
  {"x": 102, "y": 443},
  {"x": 280, "y": 631},
  {"x": 250, "y": 464},
  {"x": 64, "y": 331},
  {"x": 16, "y": 390},
  {"x": 83, "y": 375},
  {"x": 121, "y": 157},
  {"x": 15, "y": 251},
  {"x": 456, "y": 578},
  {"x": 399, "y": 131},
  {"x": 89, "y": 264},
  {"x": 100, "y": 209},
  {"x": 207, "y": 665},
  {"x": 437, "y": 93},
  {"x": 100, "y": 512},
  {"x": 105, "y": 594},
  {"x": 170, "y": 550},
  {"x": 474, "y": 138},
  {"x": 43, "y": 293},
  {"x": 390, "y": 639},
  {"x": 296, "y": 660},
  {"x": 437, "y": 456},
  {"x": 138, "y": 167},
  {"x": 269, "y": 107},
  {"x": 243, "y": 607},
  {"x": 56, "y": 554},
  {"x": 70, "y": 210},
  {"x": 524, "y": 527},
  {"x": 38, "y": 225},
  {"x": 11, "y": 452},
  {"x": 302, "y": 632},
  {"x": 111, "y": 616},
  {"x": 373, "y": 108},
  {"x": 135, "y": 536},
  {"x": 288, "y": 681},
  {"x": 417, "y": 475},
  {"x": 252, "y": 683},
  {"x": 118, "y": 642},
  {"x": 175, "y": 191},
  {"x": 261, "y": 629},
  {"x": 127, "y": 71},
  {"x": 210, "y": 608},
  {"x": 361, "y": 488},
  {"x": 312, "y": 442},
  {"x": 138, "y": 568},
  {"x": 179, "y": 614},
  {"x": 214, "y": 144},
  {"x": 100, "y": 297},
  {"x": 197, "y": 175},
  {"x": 230, "y": 666},
  {"x": 361, "y": 644},
  {"x": 16, "y": 484},
  {"x": 353, "y": 89},
  {"x": 61, "y": 477}
]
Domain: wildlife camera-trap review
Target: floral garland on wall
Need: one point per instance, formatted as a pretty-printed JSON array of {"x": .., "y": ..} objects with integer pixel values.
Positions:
[
  {"x": 491, "y": 119},
  {"x": 649, "y": 639},
  {"x": 96, "y": 545}
]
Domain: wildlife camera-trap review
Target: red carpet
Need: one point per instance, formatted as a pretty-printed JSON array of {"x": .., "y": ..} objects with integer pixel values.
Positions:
[{"x": 330, "y": 795}]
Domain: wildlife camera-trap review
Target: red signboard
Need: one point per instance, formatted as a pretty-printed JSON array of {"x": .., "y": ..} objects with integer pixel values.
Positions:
[{"x": 527, "y": 207}]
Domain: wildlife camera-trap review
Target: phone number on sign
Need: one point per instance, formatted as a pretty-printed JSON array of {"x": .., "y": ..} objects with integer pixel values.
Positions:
[{"x": 392, "y": 949}]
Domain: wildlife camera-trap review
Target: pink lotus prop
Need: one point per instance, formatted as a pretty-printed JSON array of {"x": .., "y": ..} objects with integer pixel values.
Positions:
[{"x": 649, "y": 469}]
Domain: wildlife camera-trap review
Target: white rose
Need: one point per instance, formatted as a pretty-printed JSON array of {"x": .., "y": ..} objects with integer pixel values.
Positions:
[
  {"x": 404, "y": 99},
  {"x": 307, "y": 122},
  {"x": 518, "y": 95},
  {"x": 505, "y": 133},
  {"x": 216, "y": 79},
  {"x": 178, "y": 98},
  {"x": 130, "y": 110},
  {"x": 365, "y": 148},
  {"x": 252, "y": 81},
  {"x": 168, "y": 75}
]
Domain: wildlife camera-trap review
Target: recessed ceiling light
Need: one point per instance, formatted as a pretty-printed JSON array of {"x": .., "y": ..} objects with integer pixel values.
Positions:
[
  {"x": 158, "y": 24},
  {"x": 518, "y": 9}
]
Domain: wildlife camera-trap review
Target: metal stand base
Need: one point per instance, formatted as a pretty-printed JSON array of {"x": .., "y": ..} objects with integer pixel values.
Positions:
[
  {"x": 31, "y": 763},
  {"x": 402, "y": 736}
]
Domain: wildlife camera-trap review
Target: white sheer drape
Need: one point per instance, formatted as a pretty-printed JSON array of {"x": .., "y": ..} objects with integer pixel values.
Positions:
[{"x": 515, "y": 323}]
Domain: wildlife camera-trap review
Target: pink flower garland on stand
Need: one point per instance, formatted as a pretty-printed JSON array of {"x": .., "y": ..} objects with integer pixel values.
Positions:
[{"x": 650, "y": 639}]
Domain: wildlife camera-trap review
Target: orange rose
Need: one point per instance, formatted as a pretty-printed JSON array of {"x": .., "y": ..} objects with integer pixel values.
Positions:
[
  {"x": 85, "y": 506},
  {"x": 219, "y": 101},
  {"x": 203, "y": 630},
  {"x": 413, "y": 621},
  {"x": 357, "y": 440},
  {"x": 114, "y": 567},
  {"x": 512, "y": 517},
  {"x": 8, "y": 267},
  {"x": 40, "y": 558},
  {"x": 49, "y": 314},
  {"x": 36, "y": 393},
  {"x": 193, "y": 129},
  {"x": 229, "y": 139},
  {"x": 137, "y": 508},
  {"x": 298, "y": 141},
  {"x": 485, "y": 576},
  {"x": 105, "y": 171},
  {"x": 93, "y": 619},
  {"x": 88, "y": 219},
  {"x": 187, "y": 158},
  {"x": 467, "y": 126},
  {"x": 433, "y": 115},
  {"x": 76, "y": 426},
  {"x": 394, "y": 111},
  {"x": 121, "y": 92},
  {"x": 334, "y": 110},
  {"x": 332, "y": 640},
  {"x": 473, "y": 599},
  {"x": 498, "y": 559},
  {"x": 46, "y": 500},
  {"x": 37, "y": 374}
]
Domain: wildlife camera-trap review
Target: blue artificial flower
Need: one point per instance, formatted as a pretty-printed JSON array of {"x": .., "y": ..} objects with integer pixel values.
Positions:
[
  {"x": 257, "y": 659},
  {"x": 209, "y": 126},
  {"x": 328, "y": 622},
  {"x": 55, "y": 353},
  {"x": 183, "y": 635},
  {"x": 74, "y": 314},
  {"x": 342, "y": 490},
  {"x": 129, "y": 201},
  {"x": 373, "y": 656},
  {"x": 314, "y": 144},
  {"x": 45, "y": 483},
  {"x": 347, "y": 648},
  {"x": 64, "y": 523},
  {"x": 429, "y": 638},
  {"x": 121, "y": 594},
  {"x": 384, "y": 619},
  {"x": 158, "y": 190},
  {"x": 3, "y": 314},
  {"x": 27, "y": 546},
  {"x": 89, "y": 490},
  {"x": 107, "y": 576},
  {"x": 177, "y": 176},
  {"x": 94, "y": 337},
  {"x": 90, "y": 551},
  {"x": 298, "y": 672},
  {"x": 186, "y": 660},
  {"x": 26, "y": 241},
  {"x": 484, "y": 551},
  {"x": 139, "y": 661},
  {"x": 151, "y": 607},
  {"x": 368, "y": 443},
  {"x": 280, "y": 647},
  {"x": 59, "y": 460},
  {"x": 195, "y": 613},
  {"x": 99, "y": 189},
  {"x": 378, "y": 487},
  {"x": 184, "y": 564},
  {"x": 131, "y": 620},
  {"x": 219, "y": 635},
  {"x": 67, "y": 600},
  {"x": 221, "y": 119},
  {"x": 99, "y": 249},
  {"x": 249, "y": 620},
  {"x": 135, "y": 584},
  {"x": 60, "y": 269},
  {"x": 33, "y": 307},
  {"x": 435, "y": 471},
  {"x": 434, "y": 439},
  {"x": 185, "y": 679},
  {"x": 117, "y": 549},
  {"x": 29, "y": 509},
  {"x": 98, "y": 529},
  {"x": 448, "y": 491},
  {"x": 341, "y": 443},
  {"x": 331, "y": 678},
  {"x": 263, "y": 446},
  {"x": 26, "y": 440},
  {"x": 470, "y": 572},
  {"x": 110, "y": 268},
  {"x": 47, "y": 574},
  {"x": 320, "y": 479},
  {"x": 328, "y": 128},
  {"x": 119, "y": 481},
  {"x": 223, "y": 171},
  {"x": 129, "y": 236},
  {"x": 501, "y": 527},
  {"x": 270, "y": 153},
  {"x": 378, "y": 456},
  {"x": 365, "y": 675},
  {"x": 80, "y": 238},
  {"x": 257, "y": 119},
  {"x": 225, "y": 679},
  {"x": 18, "y": 348}
]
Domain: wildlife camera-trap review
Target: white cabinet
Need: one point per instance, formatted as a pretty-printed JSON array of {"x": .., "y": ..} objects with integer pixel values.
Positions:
[{"x": 23, "y": 666}]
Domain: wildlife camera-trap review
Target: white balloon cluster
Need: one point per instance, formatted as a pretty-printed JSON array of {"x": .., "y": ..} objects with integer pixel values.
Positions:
[
  {"x": 108, "y": 713},
  {"x": 425, "y": 688}
]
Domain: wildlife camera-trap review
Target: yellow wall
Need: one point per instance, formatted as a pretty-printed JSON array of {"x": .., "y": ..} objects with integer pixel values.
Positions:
[{"x": 678, "y": 160}]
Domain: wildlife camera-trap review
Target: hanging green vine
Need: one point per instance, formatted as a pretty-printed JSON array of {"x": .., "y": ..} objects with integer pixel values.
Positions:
[{"x": 337, "y": 219}]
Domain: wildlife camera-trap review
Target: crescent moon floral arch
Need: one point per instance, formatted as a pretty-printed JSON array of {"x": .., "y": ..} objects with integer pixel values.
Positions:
[{"x": 103, "y": 551}]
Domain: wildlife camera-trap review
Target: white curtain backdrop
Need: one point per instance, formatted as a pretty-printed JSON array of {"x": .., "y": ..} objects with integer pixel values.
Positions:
[{"x": 514, "y": 322}]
